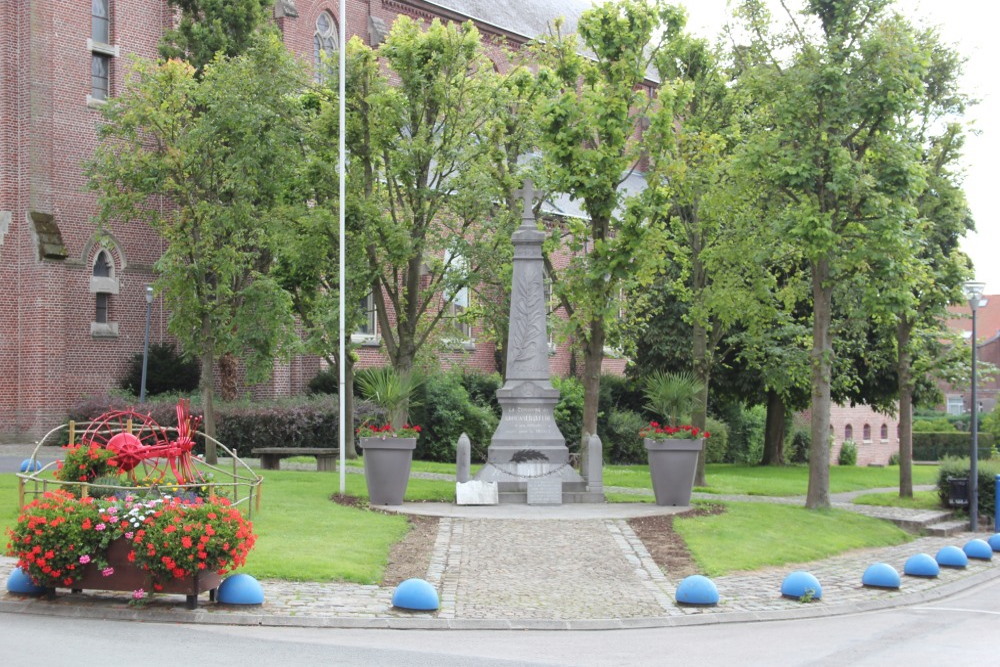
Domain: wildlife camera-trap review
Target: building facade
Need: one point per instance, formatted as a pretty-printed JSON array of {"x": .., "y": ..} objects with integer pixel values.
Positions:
[{"x": 72, "y": 298}]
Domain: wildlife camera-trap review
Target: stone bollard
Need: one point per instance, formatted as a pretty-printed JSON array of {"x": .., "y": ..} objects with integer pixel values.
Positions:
[
  {"x": 595, "y": 464},
  {"x": 463, "y": 453}
]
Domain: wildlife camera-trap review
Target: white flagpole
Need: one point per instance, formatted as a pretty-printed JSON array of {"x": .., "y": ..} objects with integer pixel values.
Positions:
[{"x": 342, "y": 262}]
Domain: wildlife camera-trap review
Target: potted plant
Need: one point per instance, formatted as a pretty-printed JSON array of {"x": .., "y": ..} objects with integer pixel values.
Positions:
[
  {"x": 673, "y": 448},
  {"x": 158, "y": 544}
]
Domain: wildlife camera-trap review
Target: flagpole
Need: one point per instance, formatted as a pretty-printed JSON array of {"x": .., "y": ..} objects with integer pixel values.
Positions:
[{"x": 342, "y": 162}]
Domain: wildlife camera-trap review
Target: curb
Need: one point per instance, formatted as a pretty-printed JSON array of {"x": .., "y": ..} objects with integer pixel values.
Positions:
[{"x": 39, "y": 607}]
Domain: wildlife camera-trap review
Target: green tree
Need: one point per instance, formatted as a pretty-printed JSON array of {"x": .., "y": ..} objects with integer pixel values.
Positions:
[
  {"x": 206, "y": 28},
  {"x": 590, "y": 142},
  {"x": 206, "y": 163},
  {"x": 836, "y": 85}
]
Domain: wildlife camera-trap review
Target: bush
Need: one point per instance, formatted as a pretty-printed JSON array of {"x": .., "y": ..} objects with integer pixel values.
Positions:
[
  {"x": 621, "y": 440},
  {"x": 620, "y": 393},
  {"x": 482, "y": 389},
  {"x": 848, "y": 455},
  {"x": 894, "y": 459},
  {"x": 166, "y": 371},
  {"x": 327, "y": 381},
  {"x": 937, "y": 425},
  {"x": 444, "y": 413},
  {"x": 717, "y": 444},
  {"x": 936, "y": 446},
  {"x": 569, "y": 410},
  {"x": 746, "y": 436},
  {"x": 959, "y": 467},
  {"x": 798, "y": 446}
]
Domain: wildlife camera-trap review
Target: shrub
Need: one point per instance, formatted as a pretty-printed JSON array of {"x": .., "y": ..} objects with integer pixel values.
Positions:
[
  {"x": 848, "y": 455},
  {"x": 482, "y": 389},
  {"x": 959, "y": 467},
  {"x": 798, "y": 446},
  {"x": 936, "y": 425},
  {"x": 746, "y": 435},
  {"x": 569, "y": 410},
  {"x": 717, "y": 445},
  {"x": 444, "y": 413},
  {"x": 327, "y": 381},
  {"x": 935, "y": 446},
  {"x": 621, "y": 440},
  {"x": 894, "y": 459},
  {"x": 621, "y": 393},
  {"x": 166, "y": 371}
]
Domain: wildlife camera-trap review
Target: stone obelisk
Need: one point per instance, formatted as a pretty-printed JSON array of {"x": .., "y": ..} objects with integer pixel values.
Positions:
[{"x": 527, "y": 445}]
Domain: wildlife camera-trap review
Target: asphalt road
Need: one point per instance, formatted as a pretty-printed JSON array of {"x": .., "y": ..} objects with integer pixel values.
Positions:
[{"x": 960, "y": 629}]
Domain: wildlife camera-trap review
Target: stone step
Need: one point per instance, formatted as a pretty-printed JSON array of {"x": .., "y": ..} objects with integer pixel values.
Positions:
[
  {"x": 947, "y": 528},
  {"x": 568, "y": 497}
]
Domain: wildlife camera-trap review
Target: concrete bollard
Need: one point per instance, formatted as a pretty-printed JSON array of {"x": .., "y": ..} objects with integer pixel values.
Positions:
[
  {"x": 463, "y": 453},
  {"x": 595, "y": 464}
]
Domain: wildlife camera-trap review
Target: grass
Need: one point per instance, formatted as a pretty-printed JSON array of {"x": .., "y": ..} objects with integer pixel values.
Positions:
[
  {"x": 303, "y": 535},
  {"x": 750, "y": 536},
  {"x": 921, "y": 500},
  {"x": 730, "y": 478}
]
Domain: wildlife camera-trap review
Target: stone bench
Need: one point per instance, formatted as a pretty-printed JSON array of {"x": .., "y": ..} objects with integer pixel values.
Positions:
[{"x": 270, "y": 457}]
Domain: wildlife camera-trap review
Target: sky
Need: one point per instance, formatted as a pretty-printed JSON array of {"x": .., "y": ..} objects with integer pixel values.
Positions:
[{"x": 970, "y": 26}]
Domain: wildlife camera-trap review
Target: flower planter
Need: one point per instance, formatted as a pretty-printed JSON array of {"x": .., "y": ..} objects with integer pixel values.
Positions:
[
  {"x": 387, "y": 468},
  {"x": 130, "y": 577},
  {"x": 672, "y": 465}
]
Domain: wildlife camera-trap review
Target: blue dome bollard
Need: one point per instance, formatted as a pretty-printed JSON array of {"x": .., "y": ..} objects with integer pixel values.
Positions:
[
  {"x": 978, "y": 549},
  {"x": 415, "y": 594},
  {"x": 697, "y": 590},
  {"x": 880, "y": 575},
  {"x": 240, "y": 589},
  {"x": 951, "y": 556},
  {"x": 801, "y": 585},
  {"x": 994, "y": 542},
  {"x": 921, "y": 565},
  {"x": 19, "y": 582},
  {"x": 30, "y": 465}
]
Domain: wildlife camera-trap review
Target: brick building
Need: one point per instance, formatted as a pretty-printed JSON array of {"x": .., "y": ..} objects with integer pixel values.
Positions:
[{"x": 72, "y": 302}]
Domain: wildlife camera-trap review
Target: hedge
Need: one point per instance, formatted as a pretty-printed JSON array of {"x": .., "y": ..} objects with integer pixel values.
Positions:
[
  {"x": 936, "y": 446},
  {"x": 986, "y": 474}
]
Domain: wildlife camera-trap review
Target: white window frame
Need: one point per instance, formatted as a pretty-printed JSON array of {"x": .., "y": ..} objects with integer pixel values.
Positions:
[
  {"x": 101, "y": 50},
  {"x": 371, "y": 336}
]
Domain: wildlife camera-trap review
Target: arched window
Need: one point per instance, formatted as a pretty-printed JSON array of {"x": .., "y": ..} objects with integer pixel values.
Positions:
[
  {"x": 324, "y": 43},
  {"x": 866, "y": 433},
  {"x": 885, "y": 432},
  {"x": 848, "y": 433},
  {"x": 102, "y": 267}
]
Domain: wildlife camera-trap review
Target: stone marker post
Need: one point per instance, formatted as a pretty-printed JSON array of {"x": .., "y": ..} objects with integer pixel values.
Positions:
[{"x": 463, "y": 452}]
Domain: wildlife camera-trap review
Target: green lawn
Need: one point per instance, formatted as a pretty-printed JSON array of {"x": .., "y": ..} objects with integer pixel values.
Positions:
[
  {"x": 749, "y": 536},
  {"x": 730, "y": 478},
  {"x": 921, "y": 500},
  {"x": 303, "y": 535}
]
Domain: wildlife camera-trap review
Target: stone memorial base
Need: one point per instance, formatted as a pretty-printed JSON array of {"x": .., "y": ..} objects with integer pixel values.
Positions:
[
  {"x": 538, "y": 483},
  {"x": 475, "y": 492}
]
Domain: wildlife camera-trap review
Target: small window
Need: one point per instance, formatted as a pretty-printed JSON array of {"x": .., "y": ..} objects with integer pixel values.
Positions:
[
  {"x": 101, "y": 312},
  {"x": 885, "y": 432},
  {"x": 866, "y": 433},
  {"x": 848, "y": 432},
  {"x": 102, "y": 268},
  {"x": 956, "y": 405},
  {"x": 100, "y": 21},
  {"x": 100, "y": 75},
  {"x": 457, "y": 298},
  {"x": 324, "y": 43},
  {"x": 367, "y": 328}
]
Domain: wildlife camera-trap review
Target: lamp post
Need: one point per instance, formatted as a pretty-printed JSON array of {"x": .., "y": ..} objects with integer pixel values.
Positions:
[
  {"x": 145, "y": 345},
  {"x": 974, "y": 292}
]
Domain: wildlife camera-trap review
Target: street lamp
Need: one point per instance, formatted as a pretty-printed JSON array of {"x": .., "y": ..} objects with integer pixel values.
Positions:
[
  {"x": 974, "y": 293},
  {"x": 145, "y": 345}
]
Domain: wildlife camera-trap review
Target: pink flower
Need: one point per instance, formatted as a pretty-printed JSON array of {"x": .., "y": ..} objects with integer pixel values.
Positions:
[
  {"x": 84, "y": 559},
  {"x": 138, "y": 594},
  {"x": 129, "y": 535},
  {"x": 108, "y": 571},
  {"x": 100, "y": 526}
]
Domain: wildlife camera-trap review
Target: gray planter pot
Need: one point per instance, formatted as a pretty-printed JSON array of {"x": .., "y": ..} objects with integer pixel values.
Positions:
[
  {"x": 387, "y": 468},
  {"x": 672, "y": 465}
]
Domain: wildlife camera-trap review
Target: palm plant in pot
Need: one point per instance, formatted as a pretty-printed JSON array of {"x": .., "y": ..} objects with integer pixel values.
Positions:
[
  {"x": 388, "y": 446},
  {"x": 672, "y": 447}
]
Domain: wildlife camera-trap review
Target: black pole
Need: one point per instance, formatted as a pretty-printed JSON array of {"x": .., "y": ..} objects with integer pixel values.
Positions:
[{"x": 145, "y": 345}]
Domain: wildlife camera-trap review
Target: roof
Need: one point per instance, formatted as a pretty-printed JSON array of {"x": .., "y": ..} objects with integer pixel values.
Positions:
[{"x": 529, "y": 19}]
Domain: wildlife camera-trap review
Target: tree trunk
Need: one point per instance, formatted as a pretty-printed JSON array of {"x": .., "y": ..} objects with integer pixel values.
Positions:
[
  {"x": 904, "y": 373},
  {"x": 774, "y": 430},
  {"x": 350, "y": 451},
  {"x": 207, "y": 386},
  {"x": 699, "y": 411},
  {"x": 592, "y": 361},
  {"x": 818, "y": 495}
]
